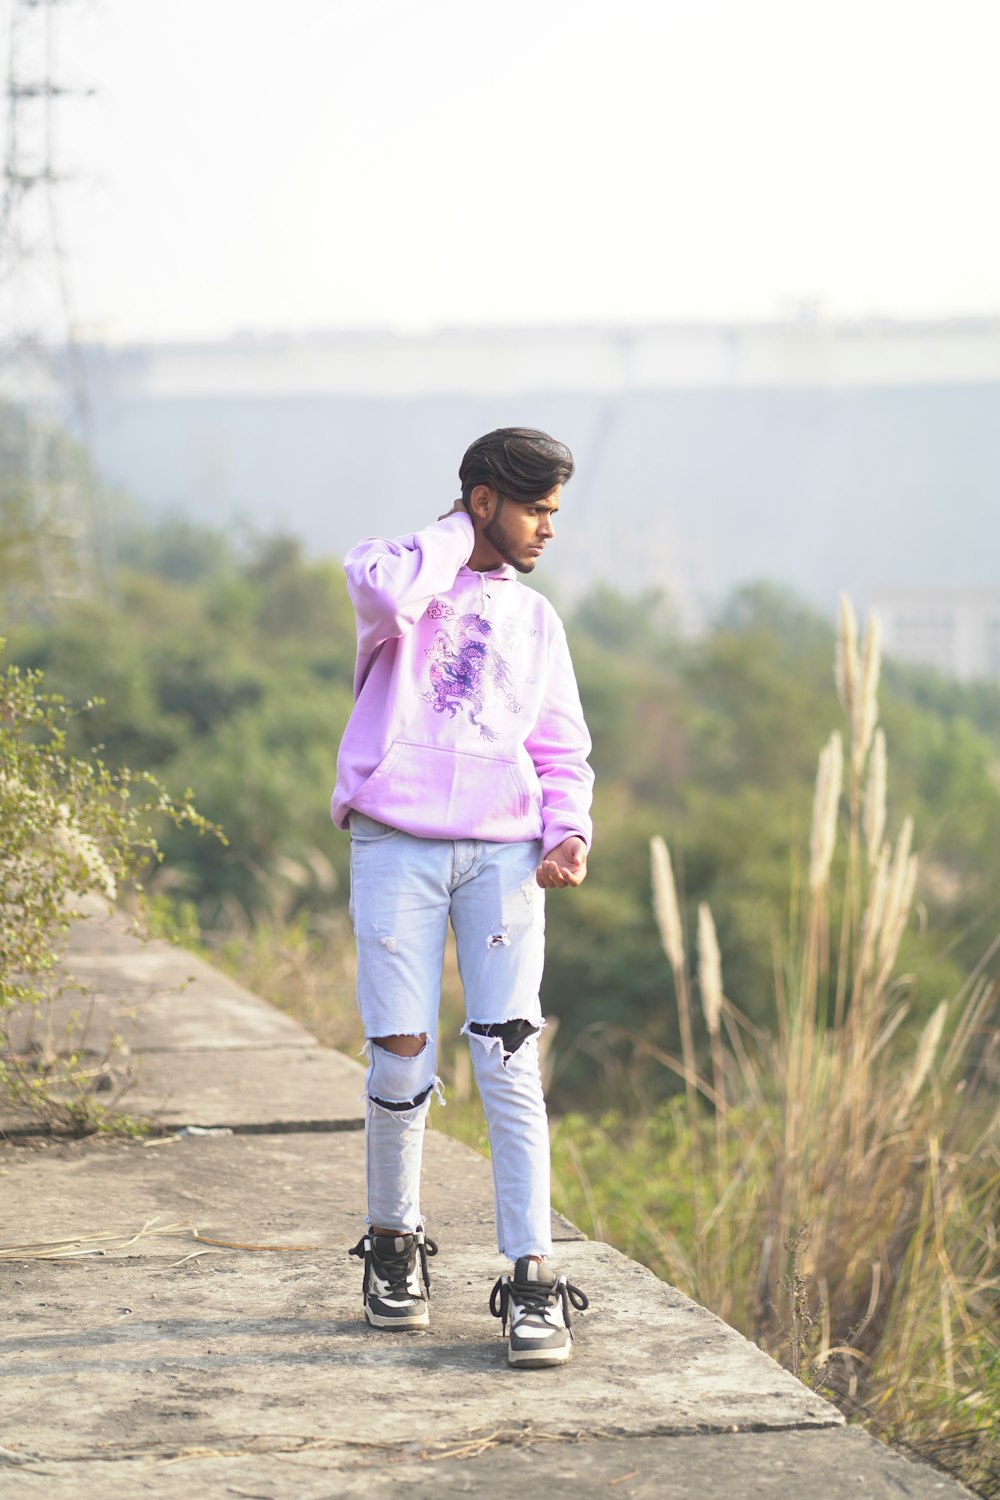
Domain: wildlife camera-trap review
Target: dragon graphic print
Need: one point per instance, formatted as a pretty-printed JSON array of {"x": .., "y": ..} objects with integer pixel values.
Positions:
[{"x": 468, "y": 674}]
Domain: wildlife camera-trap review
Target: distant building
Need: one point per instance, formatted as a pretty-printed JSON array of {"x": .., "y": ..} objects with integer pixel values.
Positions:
[
  {"x": 956, "y": 631},
  {"x": 824, "y": 457}
]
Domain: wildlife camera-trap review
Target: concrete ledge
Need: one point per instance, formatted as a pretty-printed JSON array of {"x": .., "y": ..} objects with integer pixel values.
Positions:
[
  {"x": 275, "y": 1188},
  {"x": 160, "y": 998},
  {"x": 305, "y": 1087},
  {"x": 205, "y": 1352},
  {"x": 510, "y": 1460},
  {"x": 174, "y": 1366}
]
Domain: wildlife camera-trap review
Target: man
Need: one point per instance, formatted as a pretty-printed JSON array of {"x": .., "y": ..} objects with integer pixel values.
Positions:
[{"x": 464, "y": 781}]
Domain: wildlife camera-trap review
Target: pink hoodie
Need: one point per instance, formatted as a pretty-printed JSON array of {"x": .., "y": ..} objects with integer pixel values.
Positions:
[{"x": 467, "y": 720}]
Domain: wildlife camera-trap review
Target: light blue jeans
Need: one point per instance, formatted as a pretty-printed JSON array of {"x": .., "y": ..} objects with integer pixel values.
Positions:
[{"x": 404, "y": 891}]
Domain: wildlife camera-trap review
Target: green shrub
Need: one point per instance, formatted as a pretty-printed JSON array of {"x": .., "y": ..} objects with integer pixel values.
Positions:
[{"x": 72, "y": 833}]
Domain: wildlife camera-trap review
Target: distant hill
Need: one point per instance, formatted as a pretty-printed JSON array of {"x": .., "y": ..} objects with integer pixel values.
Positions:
[{"x": 823, "y": 481}]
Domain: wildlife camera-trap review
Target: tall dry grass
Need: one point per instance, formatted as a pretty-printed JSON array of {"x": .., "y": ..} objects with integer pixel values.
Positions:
[{"x": 834, "y": 1181}]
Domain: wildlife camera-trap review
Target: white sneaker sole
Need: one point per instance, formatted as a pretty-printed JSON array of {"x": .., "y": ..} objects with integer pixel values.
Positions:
[
  {"x": 539, "y": 1359},
  {"x": 420, "y": 1319}
]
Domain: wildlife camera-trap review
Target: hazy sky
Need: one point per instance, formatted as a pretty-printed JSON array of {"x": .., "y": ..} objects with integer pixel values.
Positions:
[{"x": 413, "y": 162}]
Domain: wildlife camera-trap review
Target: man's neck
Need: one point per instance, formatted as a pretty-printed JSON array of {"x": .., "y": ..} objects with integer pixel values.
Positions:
[{"x": 485, "y": 557}]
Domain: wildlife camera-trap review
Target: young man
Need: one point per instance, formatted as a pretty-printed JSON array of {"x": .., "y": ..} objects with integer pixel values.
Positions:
[{"x": 463, "y": 778}]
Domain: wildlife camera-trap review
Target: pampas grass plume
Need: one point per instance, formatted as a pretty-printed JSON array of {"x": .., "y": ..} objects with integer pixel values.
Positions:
[
  {"x": 845, "y": 672},
  {"x": 865, "y": 711},
  {"x": 665, "y": 907},
  {"x": 898, "y": 901},
  {"x": 709, "y": 969},
  {"x": 878, "y": 890},
  {"x": 829, "y": 779},
  {"x": 874, "y": 813},
  {"x": 929, "y": 1040},
  {"x": 895, "y": 901}
]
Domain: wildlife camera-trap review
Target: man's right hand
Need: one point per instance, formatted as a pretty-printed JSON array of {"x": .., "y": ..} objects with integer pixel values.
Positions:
[{"x": 458, "y": 506}]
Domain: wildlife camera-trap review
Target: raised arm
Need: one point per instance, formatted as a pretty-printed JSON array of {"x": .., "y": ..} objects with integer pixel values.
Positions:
[{"x": 392, "y": 582}]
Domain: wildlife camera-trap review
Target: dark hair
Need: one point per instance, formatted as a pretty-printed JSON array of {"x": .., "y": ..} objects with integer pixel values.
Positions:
[{"x": 518, "y": 462}]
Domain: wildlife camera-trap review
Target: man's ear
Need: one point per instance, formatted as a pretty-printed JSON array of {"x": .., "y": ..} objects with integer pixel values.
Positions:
[{"x": 482, "y": 504}]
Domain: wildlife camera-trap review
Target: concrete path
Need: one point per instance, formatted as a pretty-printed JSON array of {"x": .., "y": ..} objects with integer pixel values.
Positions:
[{"x": 208, "y": 1339}]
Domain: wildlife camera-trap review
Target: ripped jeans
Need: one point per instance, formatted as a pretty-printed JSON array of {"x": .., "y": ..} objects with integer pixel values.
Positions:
[{"x": 404, "y": 890}]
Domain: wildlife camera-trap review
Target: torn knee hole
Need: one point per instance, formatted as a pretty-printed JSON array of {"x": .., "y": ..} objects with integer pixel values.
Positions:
[
  {"x": 395, "y": 1106},
  {"x": 512, "y": 1034},
  {"x": 405, "y": 1045}
]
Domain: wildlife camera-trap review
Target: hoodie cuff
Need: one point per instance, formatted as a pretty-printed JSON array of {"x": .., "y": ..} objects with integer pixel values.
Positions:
[
  {"x": 460, "y": 520},
  {"x": 556, "y": 835}
]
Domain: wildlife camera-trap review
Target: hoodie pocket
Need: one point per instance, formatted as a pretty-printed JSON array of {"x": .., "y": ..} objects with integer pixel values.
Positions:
[{"x": 444, "y": 793}]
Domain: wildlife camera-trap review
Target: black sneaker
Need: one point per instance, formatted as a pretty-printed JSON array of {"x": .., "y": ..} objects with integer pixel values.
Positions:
[
  {"x": 395, "y": 1294},
  {"x": 536, "y": 1300}
]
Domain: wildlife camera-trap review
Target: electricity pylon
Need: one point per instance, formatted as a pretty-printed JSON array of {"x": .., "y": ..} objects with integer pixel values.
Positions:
[{"x": 47, "y": 486}]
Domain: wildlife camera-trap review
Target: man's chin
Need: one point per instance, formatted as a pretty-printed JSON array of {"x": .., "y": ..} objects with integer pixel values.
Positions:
[{"x": 523, "y": 564}]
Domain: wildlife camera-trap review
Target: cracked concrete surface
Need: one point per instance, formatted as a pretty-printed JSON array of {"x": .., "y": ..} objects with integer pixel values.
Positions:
[{"x": 238, "y": 1362}]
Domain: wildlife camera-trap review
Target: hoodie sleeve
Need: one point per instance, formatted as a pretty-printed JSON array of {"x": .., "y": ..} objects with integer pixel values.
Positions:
[
  {"x": 391, "y": 583},
  {"x": 559, "y": 745}
]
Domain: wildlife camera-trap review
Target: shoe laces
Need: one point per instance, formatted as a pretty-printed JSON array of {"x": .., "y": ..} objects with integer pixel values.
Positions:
[
  {"x": 536, "y": 1297},
  {"x": 395, "y": 1268}
]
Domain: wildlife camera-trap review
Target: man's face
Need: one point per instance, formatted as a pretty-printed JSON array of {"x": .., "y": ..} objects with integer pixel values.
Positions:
[{"x": 519, "y": 532}]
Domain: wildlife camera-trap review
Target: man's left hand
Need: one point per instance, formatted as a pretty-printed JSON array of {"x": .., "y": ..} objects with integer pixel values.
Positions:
[{"x": 566, "y": 864}]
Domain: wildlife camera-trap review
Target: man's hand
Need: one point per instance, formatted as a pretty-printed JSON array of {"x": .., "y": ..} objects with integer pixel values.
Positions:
[
  {"x": 566, "y": 864},
  {"x": 458, "y": 506}
]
